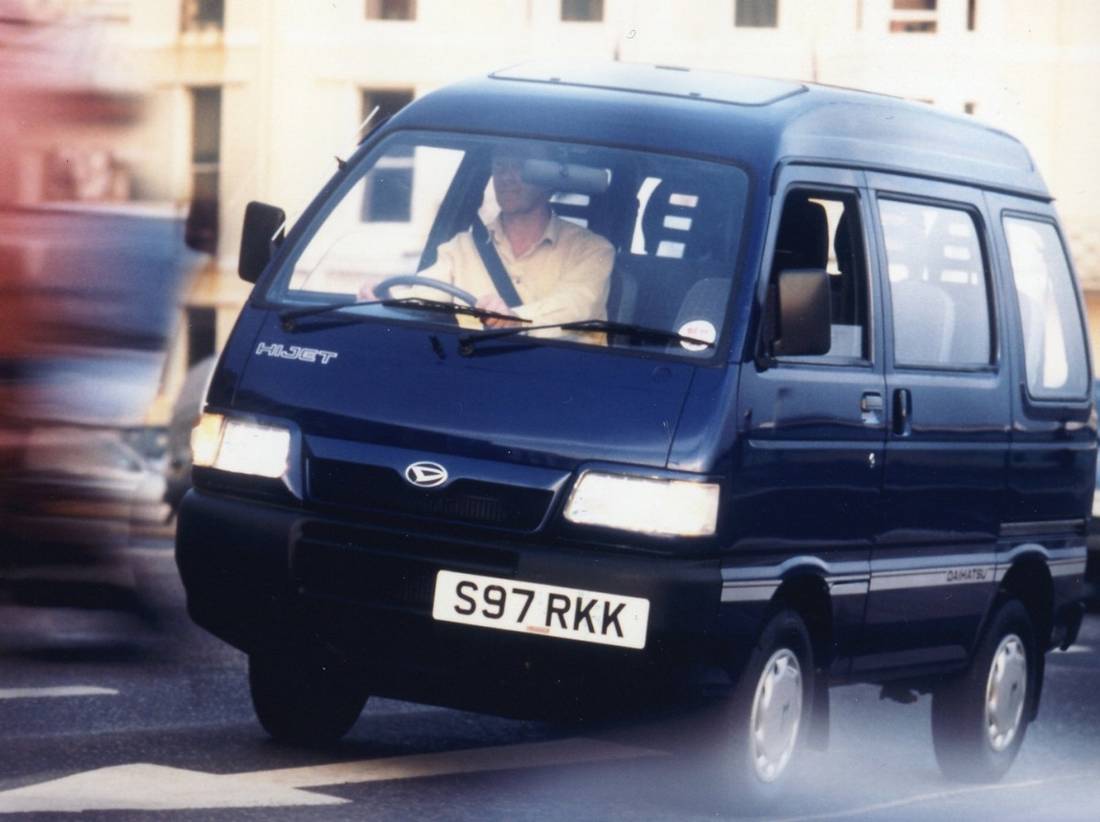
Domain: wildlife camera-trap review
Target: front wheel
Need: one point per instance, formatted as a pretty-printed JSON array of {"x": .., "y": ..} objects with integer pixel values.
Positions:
[
  {"x": 979, "y": 718},
  {"x": 764, "y": 722},
  {"x": 302, "y": 701}
]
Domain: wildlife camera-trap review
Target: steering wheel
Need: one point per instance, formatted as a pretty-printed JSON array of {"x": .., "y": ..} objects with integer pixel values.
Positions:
[{"x": 382, "y": 290}]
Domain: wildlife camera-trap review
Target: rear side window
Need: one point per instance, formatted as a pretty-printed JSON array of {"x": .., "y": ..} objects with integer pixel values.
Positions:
[
  {"x": 938, "y": 292},
  {"x": 1054, "y": 339}
]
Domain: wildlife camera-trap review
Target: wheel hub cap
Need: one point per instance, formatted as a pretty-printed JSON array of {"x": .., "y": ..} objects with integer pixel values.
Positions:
[
  {"x": 1005, "y": 692},
  {"x": 776, "y": 714}
]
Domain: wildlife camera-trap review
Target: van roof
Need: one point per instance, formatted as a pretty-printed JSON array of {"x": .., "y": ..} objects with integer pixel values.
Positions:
[{"x": 756, "y": 122}]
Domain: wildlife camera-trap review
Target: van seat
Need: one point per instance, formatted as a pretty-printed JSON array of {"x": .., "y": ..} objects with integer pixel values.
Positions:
[{"x": 926, "y": 336}]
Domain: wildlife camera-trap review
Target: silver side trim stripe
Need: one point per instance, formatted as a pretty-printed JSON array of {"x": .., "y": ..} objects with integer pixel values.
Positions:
[
  {"x": 1058, "y": 568},
  {"x": 933, "y": 577},
  {"x": 1067, "y": 567},
  {"x": 749, "y": 592},
  {"x": 849, "y": 588},
  {"x": 761, "y": 590}
]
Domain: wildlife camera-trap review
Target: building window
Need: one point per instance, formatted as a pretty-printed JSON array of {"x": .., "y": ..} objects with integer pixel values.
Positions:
[
  {"x": 756, "y": 14},
  {"x": 201, "y": 334},
  {"x": 970, "y": 107},
  {"x": 914, "y": 16},
  {"x": 971, "y": 15},
  {"x": 582, "y": 11},
  {"x": 201, "y": 15},
  {"x": 387, "y": 195},
  {"x": 206, "y": 132},
  {"x": 391, "y": 9}
]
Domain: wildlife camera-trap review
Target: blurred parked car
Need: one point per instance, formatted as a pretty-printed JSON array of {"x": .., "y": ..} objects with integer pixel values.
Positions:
[
  {"x": 185, "y": 413},
  {"x": 68, "y": 512},
  {"x": 83, "y": 486}
]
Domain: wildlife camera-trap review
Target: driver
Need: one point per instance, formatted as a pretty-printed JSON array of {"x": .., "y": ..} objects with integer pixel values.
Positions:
[{"x": 560, "y": 270}]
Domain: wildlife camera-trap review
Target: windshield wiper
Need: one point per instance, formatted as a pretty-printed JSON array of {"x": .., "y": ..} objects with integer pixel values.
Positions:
[
  {"x": 467, "y": 342},
  {"x": 290, "y": 317}
]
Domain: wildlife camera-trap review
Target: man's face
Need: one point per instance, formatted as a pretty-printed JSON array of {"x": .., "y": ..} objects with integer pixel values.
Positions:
[{"x": 514, "y": 195}]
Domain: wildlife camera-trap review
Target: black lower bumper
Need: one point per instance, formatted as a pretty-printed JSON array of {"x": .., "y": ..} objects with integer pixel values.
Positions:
[{"x": 266, "y": 578}]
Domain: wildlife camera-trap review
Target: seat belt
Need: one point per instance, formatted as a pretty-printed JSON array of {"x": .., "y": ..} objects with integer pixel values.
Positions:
[{"x": 483, "y": 242}]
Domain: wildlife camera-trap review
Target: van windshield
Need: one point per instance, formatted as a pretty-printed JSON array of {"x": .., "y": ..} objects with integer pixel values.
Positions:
[{"x": 549, "y": 233}]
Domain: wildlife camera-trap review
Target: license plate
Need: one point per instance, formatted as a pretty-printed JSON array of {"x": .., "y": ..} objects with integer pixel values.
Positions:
[{"x": 545, "y": 610}]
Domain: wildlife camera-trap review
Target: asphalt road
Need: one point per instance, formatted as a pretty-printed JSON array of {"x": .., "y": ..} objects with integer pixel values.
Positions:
[{"x": 127, "y": 719}]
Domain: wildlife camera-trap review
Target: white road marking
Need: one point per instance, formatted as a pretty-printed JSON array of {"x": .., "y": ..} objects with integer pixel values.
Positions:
[
  {"x": 143, "y": 786},
  {"x": 927, "y": 797},
  {"x": 60, "y": 690}
]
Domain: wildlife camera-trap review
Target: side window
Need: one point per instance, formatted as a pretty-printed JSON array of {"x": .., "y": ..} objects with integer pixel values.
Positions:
[
  {"x": 1054, "y": 341},
  {"x": 823, "y": 231},
  {"x": 939, "y": 293}
]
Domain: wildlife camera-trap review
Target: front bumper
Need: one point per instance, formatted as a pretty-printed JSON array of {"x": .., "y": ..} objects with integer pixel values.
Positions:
[{"x": 268, "y": 578}]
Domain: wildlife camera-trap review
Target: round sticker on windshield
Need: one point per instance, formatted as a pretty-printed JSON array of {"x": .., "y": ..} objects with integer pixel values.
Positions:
[{"x": 699, "y": 330}]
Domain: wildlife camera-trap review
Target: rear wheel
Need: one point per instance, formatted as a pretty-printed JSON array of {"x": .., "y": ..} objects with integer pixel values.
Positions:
[
  {"x": 979, "y": 719},
  {"x": 303, "y": 701}
]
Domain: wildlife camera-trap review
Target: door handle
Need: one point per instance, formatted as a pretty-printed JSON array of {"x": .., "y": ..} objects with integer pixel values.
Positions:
[
  {"x": 870, "y": 407},
  {"x": 903, "y": 412}
]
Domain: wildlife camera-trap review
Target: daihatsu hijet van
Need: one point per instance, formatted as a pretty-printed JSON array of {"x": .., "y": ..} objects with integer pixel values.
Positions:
[{"x": 831, "y": 423}]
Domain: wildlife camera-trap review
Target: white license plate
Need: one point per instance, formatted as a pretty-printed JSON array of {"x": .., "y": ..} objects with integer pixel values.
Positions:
[{"x": 546, "y": 610}]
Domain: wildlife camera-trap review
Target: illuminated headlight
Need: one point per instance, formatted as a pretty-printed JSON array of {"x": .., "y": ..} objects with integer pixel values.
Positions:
[
  {"x": 239, "y": 446},
  {"x": 648, "y": 506}
]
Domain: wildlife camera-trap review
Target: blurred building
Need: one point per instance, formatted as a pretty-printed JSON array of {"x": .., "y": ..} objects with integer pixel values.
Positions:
[
  {"x": 69, "y": 222},
  {"x": 252, "y": 99},
  {"x": 90, "y": 270}
]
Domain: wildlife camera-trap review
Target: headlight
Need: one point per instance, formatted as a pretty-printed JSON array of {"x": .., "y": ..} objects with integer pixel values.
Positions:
[
  {"x": 206, "y": 436},
  {"x": 239, "y": 446},
  {"x": 1096, "y": 503},
  {"x": 648, "y": 506}
]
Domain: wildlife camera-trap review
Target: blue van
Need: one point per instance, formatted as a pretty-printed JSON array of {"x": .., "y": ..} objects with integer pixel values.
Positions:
[{"x": 792, "y": 390}]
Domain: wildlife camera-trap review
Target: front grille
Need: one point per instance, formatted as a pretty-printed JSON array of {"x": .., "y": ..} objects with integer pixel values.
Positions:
[
  {"x": 389, "y": 569},
  {"x": 369, "y": 487}
]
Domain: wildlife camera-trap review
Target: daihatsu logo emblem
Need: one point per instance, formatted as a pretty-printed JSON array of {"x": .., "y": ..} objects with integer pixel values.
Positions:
[{"x": 426, "y": 474}]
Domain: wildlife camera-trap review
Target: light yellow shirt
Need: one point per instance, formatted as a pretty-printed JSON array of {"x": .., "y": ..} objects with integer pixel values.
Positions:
[{"x": 563, "y": 277}]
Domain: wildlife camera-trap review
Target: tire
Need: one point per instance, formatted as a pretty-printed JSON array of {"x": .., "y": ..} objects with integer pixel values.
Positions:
[
  {"x": 301, "y": 701},
  {"x": 760, "y": 736},
  {"x": 979, "y": 719}
]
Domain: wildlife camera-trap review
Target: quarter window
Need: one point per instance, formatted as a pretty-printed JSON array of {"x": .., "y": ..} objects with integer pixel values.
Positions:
[
  {"x": 938, "y": 291},
  {"x": 1054, "y": 340}
]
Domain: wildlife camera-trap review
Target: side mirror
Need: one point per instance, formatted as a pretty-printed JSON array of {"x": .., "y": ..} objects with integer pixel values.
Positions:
[
  {"x": 258, "y": 239},
  {"x": 803, "y": 313}
]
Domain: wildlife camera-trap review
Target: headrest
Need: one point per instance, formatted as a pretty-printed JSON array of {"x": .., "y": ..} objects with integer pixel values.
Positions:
[
  {"x": 683, "y": 212},
  {"x": 803, "y": 240},
  {"x": 842, "y": 243}
]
